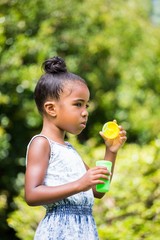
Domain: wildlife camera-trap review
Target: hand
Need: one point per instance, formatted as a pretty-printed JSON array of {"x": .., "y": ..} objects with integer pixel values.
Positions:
[
  {"x": 114, "y": 144},
  {"x": 92, "y": 177}
]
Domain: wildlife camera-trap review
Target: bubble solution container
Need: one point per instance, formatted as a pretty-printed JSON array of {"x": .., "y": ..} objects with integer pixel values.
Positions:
[
  {"x": 110, "y": 130},
  {"x": 104, "y": 187}
]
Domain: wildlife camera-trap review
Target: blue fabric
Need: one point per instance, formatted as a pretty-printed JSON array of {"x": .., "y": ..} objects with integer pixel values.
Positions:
[{"x": 70, "y": 218}]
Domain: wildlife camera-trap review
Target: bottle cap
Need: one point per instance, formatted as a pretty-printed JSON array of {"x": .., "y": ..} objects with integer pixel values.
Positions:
[{"x": 110, "y": 130}]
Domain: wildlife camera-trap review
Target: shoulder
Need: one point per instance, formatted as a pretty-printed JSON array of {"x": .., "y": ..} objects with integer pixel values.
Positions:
[
  {"x": 39, "y": 141},
  {"x": 38, "y": 147}
]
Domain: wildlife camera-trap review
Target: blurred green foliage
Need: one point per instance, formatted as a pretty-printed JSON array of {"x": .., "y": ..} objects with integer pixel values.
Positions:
[
  {"x": 25, "y": 219},
  {"x": 114, "y": 46},
  {"x": 131, "y": 210}
]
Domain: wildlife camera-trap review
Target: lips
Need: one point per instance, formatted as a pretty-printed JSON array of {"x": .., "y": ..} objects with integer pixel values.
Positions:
[{"x": 84, "y": 124}]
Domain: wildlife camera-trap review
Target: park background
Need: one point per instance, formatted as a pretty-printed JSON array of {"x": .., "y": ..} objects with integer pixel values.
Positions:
[{"x": 115, "y": 46}]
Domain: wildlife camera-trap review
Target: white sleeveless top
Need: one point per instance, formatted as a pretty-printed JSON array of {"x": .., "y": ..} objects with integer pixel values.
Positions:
[{"x": 70, "y": 218}]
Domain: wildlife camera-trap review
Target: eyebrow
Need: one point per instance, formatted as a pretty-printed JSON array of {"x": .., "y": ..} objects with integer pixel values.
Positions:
[{"x": 81, "y": 100}]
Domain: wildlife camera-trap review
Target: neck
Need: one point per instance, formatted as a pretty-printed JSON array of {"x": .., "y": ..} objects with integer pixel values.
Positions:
[{"x": 51, "y": 131}]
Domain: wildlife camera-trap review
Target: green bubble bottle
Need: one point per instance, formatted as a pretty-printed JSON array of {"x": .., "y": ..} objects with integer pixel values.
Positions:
[{"x": 104, "y": 187}]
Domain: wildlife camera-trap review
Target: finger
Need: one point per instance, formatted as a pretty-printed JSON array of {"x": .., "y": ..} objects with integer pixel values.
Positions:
[
  {"x": 96, "y": 168},
  {"x": 101, "y": 133},
  {"x": 103, "y": 136},
  {"x": 123, "y": 139},
  {"x": 101, "y": 169},
  {"x": 100, "y": 182},
  {"x": 102, "y": 177},
  {"x": 123, "y": 132}
]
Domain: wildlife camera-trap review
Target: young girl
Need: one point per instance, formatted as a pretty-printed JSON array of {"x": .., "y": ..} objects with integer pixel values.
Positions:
[{"x": 56, "y": 176}]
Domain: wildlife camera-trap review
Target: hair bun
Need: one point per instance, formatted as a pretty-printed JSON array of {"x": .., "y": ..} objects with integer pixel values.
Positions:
[{"x": 55, "y": 65}]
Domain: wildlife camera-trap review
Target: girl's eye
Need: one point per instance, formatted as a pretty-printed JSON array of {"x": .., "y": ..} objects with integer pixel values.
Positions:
[
  {"x": 81, "y": 104},
  {"x": 78, "y": 104}
]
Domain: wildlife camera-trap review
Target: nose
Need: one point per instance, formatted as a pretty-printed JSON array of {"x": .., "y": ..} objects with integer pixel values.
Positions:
[{"x": 85, "y": 113}]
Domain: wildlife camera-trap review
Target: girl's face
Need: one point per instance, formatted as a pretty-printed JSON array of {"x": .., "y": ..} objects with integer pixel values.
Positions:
[{"x": 71, "y": 109}]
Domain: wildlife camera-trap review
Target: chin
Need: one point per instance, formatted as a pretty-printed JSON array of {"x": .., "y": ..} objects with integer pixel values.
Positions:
[{"x": 76, "y": 132}]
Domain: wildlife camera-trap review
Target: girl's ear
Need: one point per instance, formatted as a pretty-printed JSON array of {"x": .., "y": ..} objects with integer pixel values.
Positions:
[{"x": 50, "y": 108}]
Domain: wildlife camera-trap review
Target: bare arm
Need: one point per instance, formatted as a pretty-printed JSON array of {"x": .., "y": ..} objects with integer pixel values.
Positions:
[
  {"x": 112, "y": 147},
  {"x": 36, "y": 193}
]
